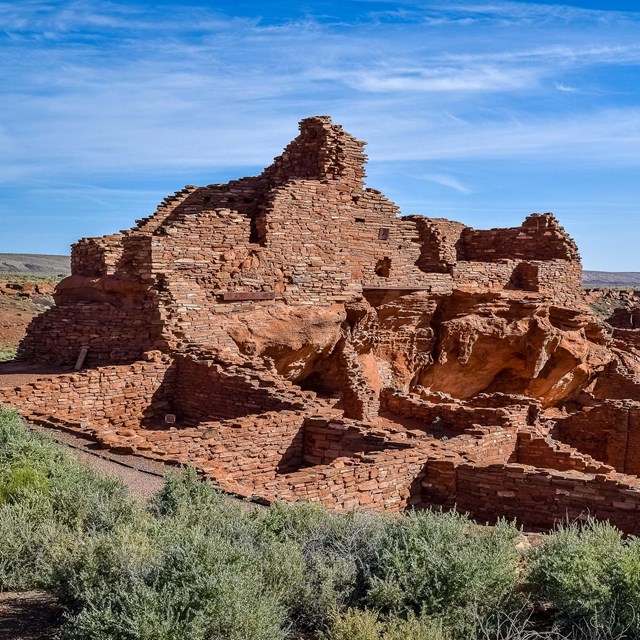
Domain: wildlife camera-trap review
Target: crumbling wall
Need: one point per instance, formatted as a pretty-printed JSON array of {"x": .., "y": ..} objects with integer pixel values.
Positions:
[
  {"x": 456, "y": 417},
  {"x": 537, "y": 498},
  {"x": 112, "y": 334},
  {"x": 413, "y": 331},
  {"x": 539, "y": 238},
  {"x": 207, "y": 390},
  {"x": 609, "y": 432},
  {"x": 542, "y": 451},
  {"x": 326, "y": 439},
  {"x": 112, "y": 397},
  {"x": 439, "y": 241},
  {"x": 304, "y": 232}
]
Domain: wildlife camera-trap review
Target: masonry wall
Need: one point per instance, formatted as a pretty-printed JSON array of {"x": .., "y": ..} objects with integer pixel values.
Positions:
[
  {"x": 561, "y": 279},
  {"x": 539, "y": 238},
  {"x": 380, "y": 480},
  {"x": 304, "y": 232},
  {"x": 439, "y": 242},
  {"x": 117, "y": 397},
  {"x": 609, "y": 432},
  {"x": 328, "y": 439},
  {"x": 239, "y": 455},
  {"x": 544, "y": 452},
  {"x": 206, "y": 390},
  {"x": 456, "y": 417},
  {"x": 536, "y": 498},
  {"x": 112, "y": 334}
]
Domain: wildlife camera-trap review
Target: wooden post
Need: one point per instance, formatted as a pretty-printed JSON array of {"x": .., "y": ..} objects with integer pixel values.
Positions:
[{"x": 81, "y": 358}]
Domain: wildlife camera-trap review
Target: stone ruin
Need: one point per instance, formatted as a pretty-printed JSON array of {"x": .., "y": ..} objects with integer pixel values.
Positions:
[{"x": 293, "y": 337}]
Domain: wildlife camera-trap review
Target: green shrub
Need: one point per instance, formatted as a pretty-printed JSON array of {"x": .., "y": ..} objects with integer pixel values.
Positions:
[
  {"x": 591, "y": 576},
  {"x": 625, "y": 589},
  {"x": 7, "y": 354},
  {"x": 366, "y": 625},
  {"x": 48, "y": 503},
  {"x": 440, "y": 564},
  {"x": 196, "y": 564},
  {"x": 20, "y": 480},
  {"x": 332, "y": 555},
  {"x": 142, "y": 585}
]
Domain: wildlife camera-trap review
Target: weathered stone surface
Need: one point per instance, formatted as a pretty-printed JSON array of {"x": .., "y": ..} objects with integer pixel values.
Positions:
[{"x": 313, "y": 345}]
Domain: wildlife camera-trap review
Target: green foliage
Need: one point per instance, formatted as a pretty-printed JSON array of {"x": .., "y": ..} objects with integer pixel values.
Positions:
[
  {"x": 331, "y": 557},
  {"x": 440, "y": 564},
  {"x": 192, "y": 586},
  {"x": 48, "y": 502},
  {"x": 20, "y": 480},
  {"x": 7, "y": 354},
  {"x": 591, "y": 575},
  {"x": 194, "y": 564},
  {"x": 366, "y": 625},
  {"x": 354, "y": 625}
]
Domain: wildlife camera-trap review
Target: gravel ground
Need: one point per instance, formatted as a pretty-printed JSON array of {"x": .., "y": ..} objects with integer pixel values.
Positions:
[
  {"x": 143, "y": 478},
  {"x": 16, "y": 373},
  {"x": 31, "y": 615}
]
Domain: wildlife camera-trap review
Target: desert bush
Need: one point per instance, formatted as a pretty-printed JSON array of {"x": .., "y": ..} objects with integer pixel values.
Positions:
[
  {"x": 196, "y": 564},
  {"x": 366, "y": 624},
  {"x": 591, "y": 576},
  {"x": 48, "y": 502},
  {"x": 195, "y": 569},
  {"x": 440, "y": 564},
  {"x": 332, "y": 555},
  {"x": 133, "y": 584},
  {"x": 7, "y": 354}
]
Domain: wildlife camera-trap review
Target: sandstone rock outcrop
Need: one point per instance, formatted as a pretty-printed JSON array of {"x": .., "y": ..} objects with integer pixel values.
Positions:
[{"x": 293, "y": 337}]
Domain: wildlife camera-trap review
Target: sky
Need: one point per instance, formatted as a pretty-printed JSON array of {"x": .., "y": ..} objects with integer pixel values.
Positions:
[{"x": 481, "y": 111}]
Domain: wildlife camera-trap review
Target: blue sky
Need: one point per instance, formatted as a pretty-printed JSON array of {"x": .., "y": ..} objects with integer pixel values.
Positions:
[{"x": 478, "y": 110}]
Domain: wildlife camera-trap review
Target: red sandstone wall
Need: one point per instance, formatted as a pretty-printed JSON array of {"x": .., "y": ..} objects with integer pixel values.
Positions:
[
  {"x": 609, "y": 432},
  {"x": 242, "y": 454},
  {"x": 305, "y": 232},
  {"x": 206, "y": 390},
  {"x": 388, "y": 481},
  {"x": 535, "y": 497},
  {"x": 325, "y": 440},
  {"x": 539, "y": 238},
  {"x": 112, "y": 334},
  {"x": 545, "y": 453},
  {"x": 117, "y": 397},
  {"x": 455, "y": 416}
]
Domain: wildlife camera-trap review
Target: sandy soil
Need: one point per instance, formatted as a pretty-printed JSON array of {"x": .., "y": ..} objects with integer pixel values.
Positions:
[
  {"x": 21, "y": 299},
  {"x": 15, "y": 316}
]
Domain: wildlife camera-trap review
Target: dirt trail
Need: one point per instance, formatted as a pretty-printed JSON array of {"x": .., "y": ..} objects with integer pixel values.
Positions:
[
  {"x": 17, "y": 372},
  {"x": 32, "y": 615},
  {"x": 143, "y": 478}
]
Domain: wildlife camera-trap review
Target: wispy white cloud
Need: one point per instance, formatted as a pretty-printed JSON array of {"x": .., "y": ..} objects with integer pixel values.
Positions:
[
  {"x": 610, "y": 136},
  {"x": 107, "y": 105},
  {"x": 138, "y": 90},
  {"x": 482, "y": 78},
  {"x": 447, "y": 181},
  {"x": 565, "y": 88}
]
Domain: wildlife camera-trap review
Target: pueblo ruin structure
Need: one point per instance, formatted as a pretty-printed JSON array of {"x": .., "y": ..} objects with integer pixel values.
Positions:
[{"x": 294, "y": 338}]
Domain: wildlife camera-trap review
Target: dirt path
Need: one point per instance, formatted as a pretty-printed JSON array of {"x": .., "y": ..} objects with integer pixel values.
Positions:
[
  {"x": 143, "y": 478},
  {"x": 17, "y": 372},
  {"x": 32, "y": 615}
]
